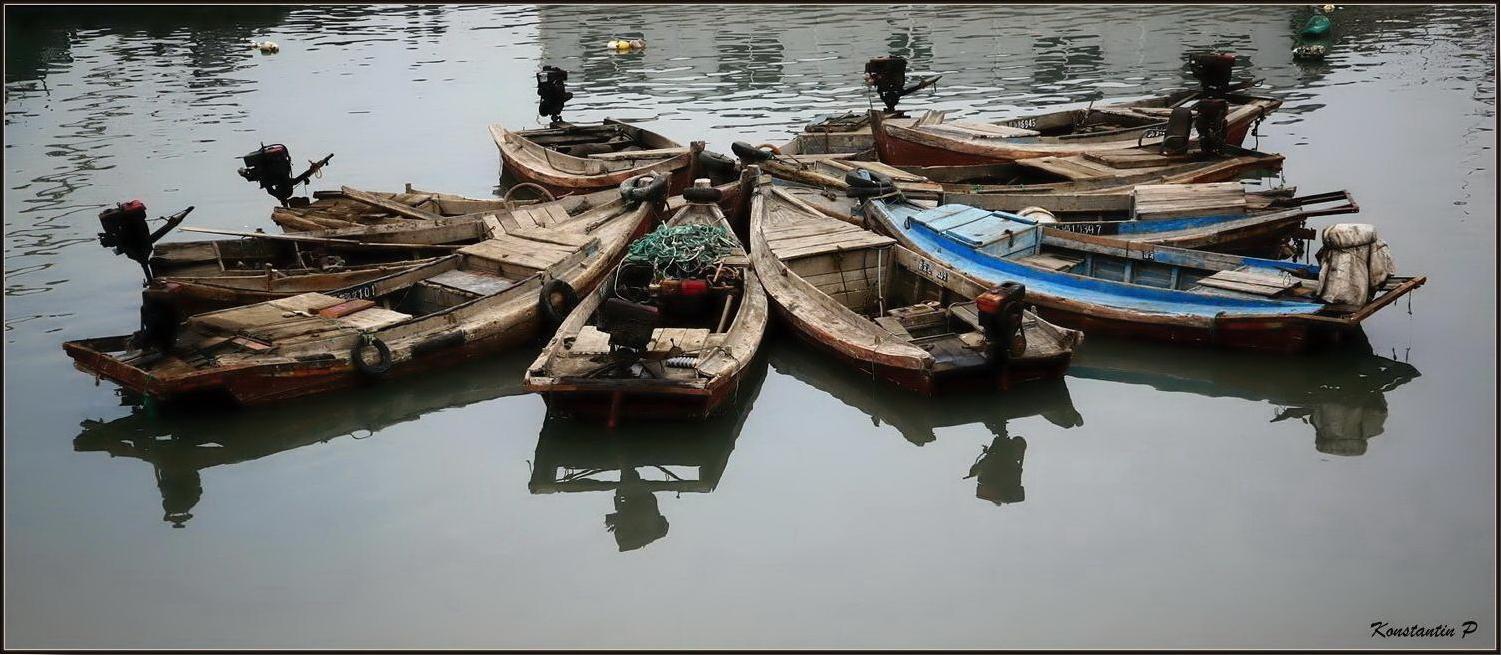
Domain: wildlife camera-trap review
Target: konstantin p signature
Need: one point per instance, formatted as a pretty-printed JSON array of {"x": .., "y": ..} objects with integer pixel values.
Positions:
[{"x": 1386, "y": 630}]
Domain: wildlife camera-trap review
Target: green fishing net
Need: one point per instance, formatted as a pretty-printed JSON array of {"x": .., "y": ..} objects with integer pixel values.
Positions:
[{"x": 681, "y": 250}]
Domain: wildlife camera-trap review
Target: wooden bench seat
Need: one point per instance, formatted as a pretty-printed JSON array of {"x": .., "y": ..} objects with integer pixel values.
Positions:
[
  {"x": 660, "y": 153},
  {"x": 475, "y": 283},
  {"x": 1249, "y": 281},
  {"x": 1051, "y": 261},
  {"x": 793, "y": 240}
]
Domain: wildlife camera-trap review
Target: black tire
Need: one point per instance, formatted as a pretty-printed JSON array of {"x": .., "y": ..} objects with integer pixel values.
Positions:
[
  {"x": 749, "y": 153},
  {"x": 701, "y": 194},
  {"x": 377, "y": 369},
  {"x": 716, "y": 164},
  {"x": 553, "y": 313},
  {"x": 643, "y": 188}
]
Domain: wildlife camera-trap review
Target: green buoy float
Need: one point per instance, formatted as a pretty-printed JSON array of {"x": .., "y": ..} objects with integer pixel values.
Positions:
[{"x": 1317, "y": 25}]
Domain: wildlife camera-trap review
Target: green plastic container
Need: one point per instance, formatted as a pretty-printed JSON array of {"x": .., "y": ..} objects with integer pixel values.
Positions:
[{"x": 1317, "y": 25}]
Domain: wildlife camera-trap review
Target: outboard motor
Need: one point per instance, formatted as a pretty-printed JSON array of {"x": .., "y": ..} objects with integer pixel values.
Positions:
[
  {"x": 888, "y": 75},
  {"x": 1179, "y": 130},
  {"x": 551, "y": 93},
  {"x": 1212, "y": 69},
  {"x": 159, "y": 320},
  {"x": 629, "y": 325},
  {"x": 1211, "y": 122},
  {"x": 126, "y": 232},
  {"x": 271, "y": 168},
  {"x": 1000, "y": 312}
]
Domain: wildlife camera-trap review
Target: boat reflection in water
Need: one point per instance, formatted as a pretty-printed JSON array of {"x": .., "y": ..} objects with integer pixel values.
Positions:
[
  {"x": 998, "y": 469},
  {"x": 637, "y": 460},
  {"x": 179, "y": 442},
  {"x": 1341, "y": 393}
]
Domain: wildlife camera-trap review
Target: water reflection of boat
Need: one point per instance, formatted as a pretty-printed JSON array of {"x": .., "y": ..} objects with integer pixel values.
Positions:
[
  {"x": 1341, "y": 394},
  {"x": 180, "y": 444},
  {"x": 580, "y": 456},
  {"x": 997, "y": 470},
  {"x": 916, "y": 417}
]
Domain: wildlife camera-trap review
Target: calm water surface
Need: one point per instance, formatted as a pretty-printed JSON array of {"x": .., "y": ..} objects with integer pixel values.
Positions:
[{"x": 1156, "y": 497}]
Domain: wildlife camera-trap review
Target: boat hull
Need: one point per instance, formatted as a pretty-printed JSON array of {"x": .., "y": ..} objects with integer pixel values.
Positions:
[
  {"x": 559, "y": 183},
  {"x": 608, "y": 401},
  {"x": 906, "y": 146},
  {"x": 1286, "y": 333},
  {"x": 269, "y": 383},
  {"x": 925, "y": 382}
]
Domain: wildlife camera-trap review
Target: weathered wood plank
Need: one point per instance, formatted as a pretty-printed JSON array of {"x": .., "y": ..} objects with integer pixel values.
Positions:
[{"x": 388, "y": 204}]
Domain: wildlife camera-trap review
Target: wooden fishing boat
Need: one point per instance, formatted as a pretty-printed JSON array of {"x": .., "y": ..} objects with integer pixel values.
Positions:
[
  {"x": 1220, "y": 217},
  {"x": 205, "y": 275},
  {"x": 1108, "y": 285},
  {"x": 482, "y": 299},
  {"x": 891, "y": 312},
  {"x": 195, "y": 294},
  {"x": 933, "y": 140},
  {"x": 665, "y": 337},
  {"x": 580, "y": 158},
  {"x": 847, "y": 135},
  {"x": 1089, "y": 182},
  {"x": 333, "y": 209}
]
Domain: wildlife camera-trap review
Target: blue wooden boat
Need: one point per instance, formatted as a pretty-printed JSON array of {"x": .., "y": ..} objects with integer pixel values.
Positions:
[
  {"x": 1253, "y": 232},
  {"x": 1114, "y": 286},
  {"x": 1262, "y": 230}
]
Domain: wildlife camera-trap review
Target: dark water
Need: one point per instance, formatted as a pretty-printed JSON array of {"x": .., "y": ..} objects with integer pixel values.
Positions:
[{"x": 1156, "y": 497}]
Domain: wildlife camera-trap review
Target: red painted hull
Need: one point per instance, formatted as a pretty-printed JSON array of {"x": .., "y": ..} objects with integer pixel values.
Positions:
[{"x": 895, "y": 150}]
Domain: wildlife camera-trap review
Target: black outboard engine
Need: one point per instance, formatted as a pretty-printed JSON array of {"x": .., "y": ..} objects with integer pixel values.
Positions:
[
  {"x": 551, "y": 93},
  {"x": 629, "y": 325},
  {"x": 1180, "y": 124},
  {"x": 126, "y": 232},
  {"x": 888, "y": 75},
  {"x": 1212, "y": 69},
  {"x": 271, "y": 167},
  {"x": 159, "y": 320},
  {"x": 1000, "y": 311},
  {"x": 1211, "y": 121}
]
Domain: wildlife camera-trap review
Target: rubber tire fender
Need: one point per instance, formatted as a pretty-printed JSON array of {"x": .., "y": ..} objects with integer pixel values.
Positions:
[
  {"x": 702, "y": 194},
  {"x": 373, "y": 370},
  {"x": 749, "y": 153},
  {"x": 551, "y": 313},
  {"x": 644, "y": 187}
]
